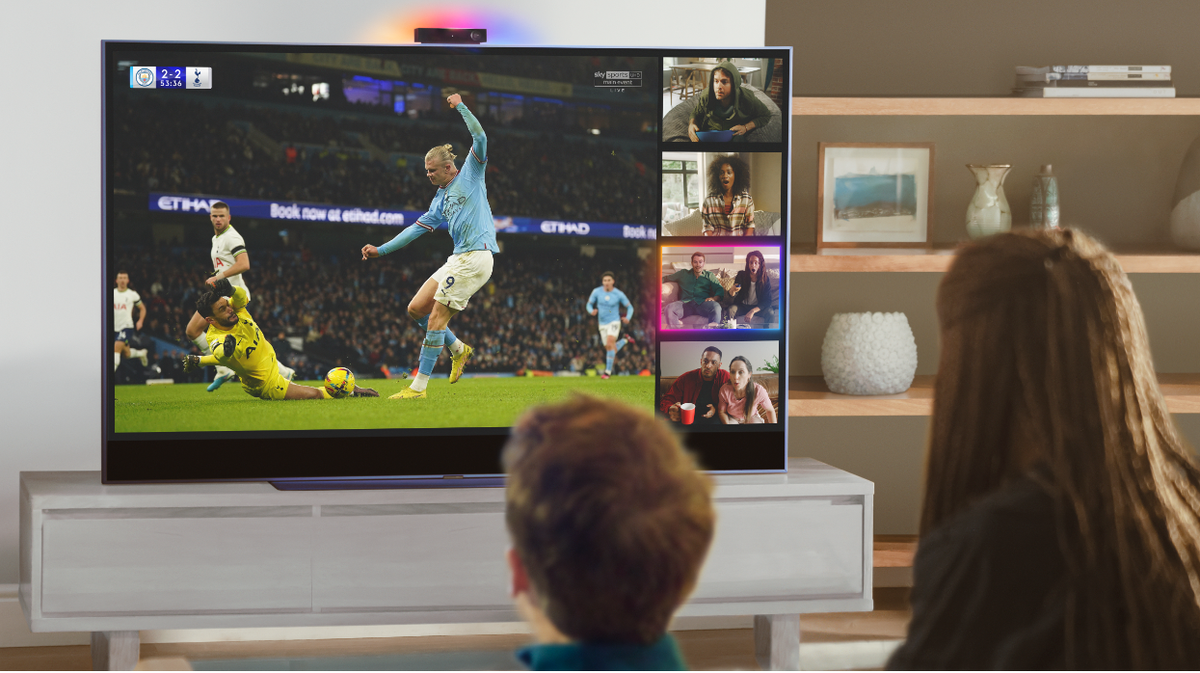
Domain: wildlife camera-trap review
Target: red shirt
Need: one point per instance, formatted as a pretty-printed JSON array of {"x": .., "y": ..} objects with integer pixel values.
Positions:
[{"x": 687, "y": 389}]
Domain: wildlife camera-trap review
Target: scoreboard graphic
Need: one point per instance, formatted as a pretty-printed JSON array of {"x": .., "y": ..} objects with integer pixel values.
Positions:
[{"x": 169, "y": 77}]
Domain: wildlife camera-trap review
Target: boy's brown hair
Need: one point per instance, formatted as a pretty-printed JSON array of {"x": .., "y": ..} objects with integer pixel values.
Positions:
[{"x": 608, "y": 514}]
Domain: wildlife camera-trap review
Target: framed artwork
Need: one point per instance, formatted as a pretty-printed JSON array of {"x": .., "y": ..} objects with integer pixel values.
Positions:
[{"x": 874, "y": 195}]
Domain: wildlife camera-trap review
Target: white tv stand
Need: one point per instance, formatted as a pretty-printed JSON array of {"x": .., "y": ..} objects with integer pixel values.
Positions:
[{"x": 116, "y": 559}]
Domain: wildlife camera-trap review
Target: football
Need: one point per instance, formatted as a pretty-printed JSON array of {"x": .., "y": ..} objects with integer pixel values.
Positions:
[{"x": 339, "y": 382}]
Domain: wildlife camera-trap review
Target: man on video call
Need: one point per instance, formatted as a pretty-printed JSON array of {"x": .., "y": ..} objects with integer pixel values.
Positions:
[
  {"x": 700, "y": 387},
  {"x": 699, "y": 292}
]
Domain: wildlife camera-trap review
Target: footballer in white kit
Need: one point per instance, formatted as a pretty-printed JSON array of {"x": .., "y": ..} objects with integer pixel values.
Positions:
[
  {"x": 230, "y": 260},
  {"x": 124, "y": 301},
  {"x": 227, "y": 246}
]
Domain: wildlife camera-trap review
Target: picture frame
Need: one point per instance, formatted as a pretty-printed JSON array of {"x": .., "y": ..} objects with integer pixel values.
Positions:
[{"x": 875, "y": 195}]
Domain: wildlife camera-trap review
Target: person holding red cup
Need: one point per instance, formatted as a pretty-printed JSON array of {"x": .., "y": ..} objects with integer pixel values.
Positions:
[
  {"x": 699, "y": 388},
  {"x": 687, "y": 413}
]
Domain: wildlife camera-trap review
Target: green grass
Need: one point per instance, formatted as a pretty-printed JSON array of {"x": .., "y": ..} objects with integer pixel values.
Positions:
[{"x": 474, "y": 402}]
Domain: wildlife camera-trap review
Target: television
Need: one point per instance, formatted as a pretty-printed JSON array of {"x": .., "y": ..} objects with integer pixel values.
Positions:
[{"x": 267, "y": 179}]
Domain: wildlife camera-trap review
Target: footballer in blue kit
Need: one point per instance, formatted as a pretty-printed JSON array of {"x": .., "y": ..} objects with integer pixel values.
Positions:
[
  {"x": 606, "y": 302},
  {"x": 461, "y": 204}
]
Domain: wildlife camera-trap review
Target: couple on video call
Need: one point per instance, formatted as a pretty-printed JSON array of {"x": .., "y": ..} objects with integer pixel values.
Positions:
[{"x": 720, "y": 397}]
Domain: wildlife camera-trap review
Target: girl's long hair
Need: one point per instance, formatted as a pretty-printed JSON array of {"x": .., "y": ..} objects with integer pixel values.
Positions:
[{"x": 1045, "y": 369}]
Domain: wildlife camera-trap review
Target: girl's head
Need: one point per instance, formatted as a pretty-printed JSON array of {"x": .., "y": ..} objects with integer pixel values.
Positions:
[{"x": 1045, "y": 370}]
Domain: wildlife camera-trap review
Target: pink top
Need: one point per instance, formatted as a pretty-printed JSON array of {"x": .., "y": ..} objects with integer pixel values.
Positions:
[{"x": 735, "y": 408}]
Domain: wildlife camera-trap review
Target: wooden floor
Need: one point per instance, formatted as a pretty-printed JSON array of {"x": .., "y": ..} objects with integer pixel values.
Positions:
[{"x": 726, "y": 649}]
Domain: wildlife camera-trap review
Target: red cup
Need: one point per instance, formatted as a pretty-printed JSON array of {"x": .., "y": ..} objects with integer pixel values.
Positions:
[{"x": 687, "y": 413}]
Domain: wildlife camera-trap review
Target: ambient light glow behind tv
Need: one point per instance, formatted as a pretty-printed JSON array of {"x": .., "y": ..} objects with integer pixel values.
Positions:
[{"x": 299, "y": 192}]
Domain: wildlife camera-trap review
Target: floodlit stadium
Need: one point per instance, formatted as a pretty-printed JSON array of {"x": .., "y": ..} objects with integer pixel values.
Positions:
[{"x": 318, "y": 157}]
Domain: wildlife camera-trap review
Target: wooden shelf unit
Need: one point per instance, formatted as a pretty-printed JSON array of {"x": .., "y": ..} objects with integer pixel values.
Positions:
[
  {"x": 809, "y": 259},
  {"x": 938, "y": 259},
  {"x": 999, "y": 105},
  {"x": 809, "y": 396}
]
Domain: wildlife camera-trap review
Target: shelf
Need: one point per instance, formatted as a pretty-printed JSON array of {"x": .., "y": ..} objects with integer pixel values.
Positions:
[
  {"x": 809, "y": 396},
  {"x": 999, "y": 105},
  {"x": 858, "y": 260}
]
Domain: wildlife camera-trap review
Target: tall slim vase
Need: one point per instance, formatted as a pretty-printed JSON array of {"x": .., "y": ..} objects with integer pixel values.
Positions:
[
  {"x": 988, "y": 212},
  {"x": 1043, "y": 206}
]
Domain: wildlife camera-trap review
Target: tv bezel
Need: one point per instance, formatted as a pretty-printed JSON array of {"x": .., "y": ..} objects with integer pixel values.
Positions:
[{"x": 301, "y": 459}]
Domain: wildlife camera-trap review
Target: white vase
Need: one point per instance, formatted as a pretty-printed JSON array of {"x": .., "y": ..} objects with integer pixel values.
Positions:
[
  {"x": 988, "y": 212},
  {"x": 869, "y": 354},
  {"x": 1185, "y": 210}
]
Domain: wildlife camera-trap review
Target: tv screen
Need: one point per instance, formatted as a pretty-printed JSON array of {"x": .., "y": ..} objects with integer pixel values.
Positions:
[{"x": 336, "y": 265}]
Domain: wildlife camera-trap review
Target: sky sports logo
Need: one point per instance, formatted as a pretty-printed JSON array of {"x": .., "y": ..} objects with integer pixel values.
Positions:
[
  {"x": 169, "y": 77},
  {"x": 618, "y": 78}
]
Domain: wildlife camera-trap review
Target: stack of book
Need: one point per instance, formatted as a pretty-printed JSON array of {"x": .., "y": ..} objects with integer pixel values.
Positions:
[{"x": 1094, "y": 81}]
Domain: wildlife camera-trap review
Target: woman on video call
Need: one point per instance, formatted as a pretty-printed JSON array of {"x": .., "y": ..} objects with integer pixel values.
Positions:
[
  {"x": 729, "y": 209},
  {"x": 754, "y": 292},
  {"x": 742, "y": 400}
]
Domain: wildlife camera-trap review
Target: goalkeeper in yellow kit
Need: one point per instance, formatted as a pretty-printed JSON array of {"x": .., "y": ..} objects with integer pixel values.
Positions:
[{"x": 237, "y": 343}]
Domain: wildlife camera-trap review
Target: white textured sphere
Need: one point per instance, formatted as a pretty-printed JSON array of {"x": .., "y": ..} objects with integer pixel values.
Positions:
[
  {"x": 1185, "y": 222},
  {"x": 869, "y": 354}
]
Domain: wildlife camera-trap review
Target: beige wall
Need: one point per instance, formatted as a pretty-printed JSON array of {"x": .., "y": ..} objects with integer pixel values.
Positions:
[
  {"x": 1116, "y": 174},
  {"x": 951, "y": 47},
  {"x": 766, "y": 185}
]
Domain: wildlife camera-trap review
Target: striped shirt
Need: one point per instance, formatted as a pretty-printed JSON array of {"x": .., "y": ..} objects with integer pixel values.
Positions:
[{"x": 721, "y": 222}]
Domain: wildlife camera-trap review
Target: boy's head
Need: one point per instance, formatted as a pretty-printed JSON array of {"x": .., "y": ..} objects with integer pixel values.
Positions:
[{"x": 610, "y": 519}]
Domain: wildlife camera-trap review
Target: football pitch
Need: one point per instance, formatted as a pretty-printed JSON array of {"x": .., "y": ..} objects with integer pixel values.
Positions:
[{"x": 472, "y": 402}]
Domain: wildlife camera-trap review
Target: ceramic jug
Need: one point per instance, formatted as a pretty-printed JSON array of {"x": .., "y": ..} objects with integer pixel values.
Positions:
[{"x": 988, "y": 212}]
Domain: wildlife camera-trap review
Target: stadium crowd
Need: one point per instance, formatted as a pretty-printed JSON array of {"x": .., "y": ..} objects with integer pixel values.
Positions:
[
  {"x": 184, "y": 146},
  {"x": 530, "y": 316}
]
